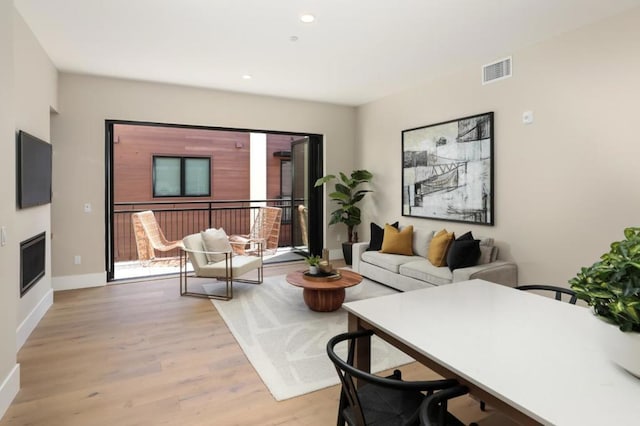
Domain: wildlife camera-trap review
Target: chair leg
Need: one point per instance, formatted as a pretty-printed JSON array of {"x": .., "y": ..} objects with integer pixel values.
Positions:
[
  {"x": 483, "y": 406},
  {"x": 341, "y": 406}
]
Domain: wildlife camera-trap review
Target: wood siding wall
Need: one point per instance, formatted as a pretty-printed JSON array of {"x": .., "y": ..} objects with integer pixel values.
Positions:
[{"x": 136, "y": 145}]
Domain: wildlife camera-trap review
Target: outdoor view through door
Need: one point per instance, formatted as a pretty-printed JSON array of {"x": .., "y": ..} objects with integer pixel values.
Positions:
[{"x": 195, "y": 178}]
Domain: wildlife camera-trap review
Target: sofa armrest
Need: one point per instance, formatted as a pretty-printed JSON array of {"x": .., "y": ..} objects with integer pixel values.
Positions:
[
  {"x": 356, "y": 251},
  {"x": 500, "y": 272}
]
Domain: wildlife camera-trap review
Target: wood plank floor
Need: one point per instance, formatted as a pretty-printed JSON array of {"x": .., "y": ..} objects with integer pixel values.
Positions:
[{"x": 140, "y": 354}]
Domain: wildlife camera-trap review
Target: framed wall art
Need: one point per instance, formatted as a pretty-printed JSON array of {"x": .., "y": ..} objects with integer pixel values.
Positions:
[{"x": 447, "y": 170}]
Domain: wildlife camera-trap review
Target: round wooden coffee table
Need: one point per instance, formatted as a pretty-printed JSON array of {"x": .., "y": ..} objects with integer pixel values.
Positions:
[{"x": 324, "y": 295}]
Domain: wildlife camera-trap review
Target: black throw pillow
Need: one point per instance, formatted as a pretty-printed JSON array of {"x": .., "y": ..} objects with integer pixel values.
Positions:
[
  {"x": 467, "y": 236},
  {"x": 463, "y": 252},
  {"x": 377, "y": 235}
]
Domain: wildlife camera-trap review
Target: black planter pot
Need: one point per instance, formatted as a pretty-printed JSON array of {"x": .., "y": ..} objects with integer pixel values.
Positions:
[{"x": 347, "y": 252}]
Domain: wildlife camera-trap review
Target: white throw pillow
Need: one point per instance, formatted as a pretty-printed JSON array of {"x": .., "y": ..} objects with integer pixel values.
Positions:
[{"x": 215, "y": 240}]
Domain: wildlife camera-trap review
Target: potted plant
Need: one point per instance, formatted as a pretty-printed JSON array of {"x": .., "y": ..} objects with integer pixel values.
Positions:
[
  {"x": 313, "y": 262},
  {"x": 612, "y": 287},
  {"x": 347, "y": 194}
]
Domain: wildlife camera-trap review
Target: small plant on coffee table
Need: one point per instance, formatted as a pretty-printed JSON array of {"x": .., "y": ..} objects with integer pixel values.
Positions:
[{"x": 313, "y": 262}]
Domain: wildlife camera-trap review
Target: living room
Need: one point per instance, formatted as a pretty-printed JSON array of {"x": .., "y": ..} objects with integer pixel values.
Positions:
[{"x": 565, "y": 185}]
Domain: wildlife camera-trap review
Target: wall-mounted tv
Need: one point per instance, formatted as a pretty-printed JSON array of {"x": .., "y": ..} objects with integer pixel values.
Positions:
[{"x": 33, "y": 171}]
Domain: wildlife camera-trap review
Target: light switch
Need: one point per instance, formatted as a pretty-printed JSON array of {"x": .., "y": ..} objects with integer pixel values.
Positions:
[
  {"x": 527, "y": 117},
  {"x": 87, "y": 207}
]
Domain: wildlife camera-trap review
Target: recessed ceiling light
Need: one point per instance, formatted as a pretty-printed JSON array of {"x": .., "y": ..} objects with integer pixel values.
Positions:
[
  {"x": 307, "y": 18},
  {"x": 293, "y": 38},
  {"x": 246, "y": 76}
]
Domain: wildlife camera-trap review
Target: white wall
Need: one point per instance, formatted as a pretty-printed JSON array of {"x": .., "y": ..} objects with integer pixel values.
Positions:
[
  {"x": 27, "y": 92},
  {"x": 78, "y": 137},
  {"x": 36, "y": 91},
  {"x": 9, "y": 274},
  {"x": 566, "y": 185}
]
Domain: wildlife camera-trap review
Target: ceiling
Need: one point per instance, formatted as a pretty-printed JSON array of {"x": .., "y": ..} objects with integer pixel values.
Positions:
[{"x": 356, "y": 51}]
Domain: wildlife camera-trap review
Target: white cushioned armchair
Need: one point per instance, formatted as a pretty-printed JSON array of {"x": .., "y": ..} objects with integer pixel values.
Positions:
[{"x": 220, "y": 263}]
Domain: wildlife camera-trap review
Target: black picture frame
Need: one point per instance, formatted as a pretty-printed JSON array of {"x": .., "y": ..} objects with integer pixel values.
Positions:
[{"x": 447, "y": 170}]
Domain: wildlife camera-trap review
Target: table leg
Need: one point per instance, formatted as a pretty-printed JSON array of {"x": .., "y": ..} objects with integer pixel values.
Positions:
[
  {"x": 323, "y": 300},
  {"x": 362, "y": 355}
]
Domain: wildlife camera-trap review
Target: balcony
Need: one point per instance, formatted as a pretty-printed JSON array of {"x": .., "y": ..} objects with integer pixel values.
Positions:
[{"x": 178, "y": 219}]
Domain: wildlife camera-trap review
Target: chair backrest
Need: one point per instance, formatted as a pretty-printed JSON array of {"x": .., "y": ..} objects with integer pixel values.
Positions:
[
  {"x": 197, "y": 258},
  {"x": 559, "y": 291},
  {"x": 267, "y": 227},
  {"x": 149, "y": 236},
  {"x": 351, "y": 406},
  {"x": 346, "y": 372},
  {"x": 434, "y": 412}
]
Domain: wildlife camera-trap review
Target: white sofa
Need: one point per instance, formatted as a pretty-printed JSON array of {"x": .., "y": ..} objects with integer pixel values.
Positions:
[{"x": 406, "y": 273}]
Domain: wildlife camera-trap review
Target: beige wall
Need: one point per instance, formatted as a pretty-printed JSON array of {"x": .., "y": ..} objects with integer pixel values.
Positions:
[
  {"x": 28, "y": 87},
  {"x": 566, "y": 185},
  {"x": 9, "y": 253},
  {"x": 78, "y": 136},
  {"x": 36, "y": 90}
]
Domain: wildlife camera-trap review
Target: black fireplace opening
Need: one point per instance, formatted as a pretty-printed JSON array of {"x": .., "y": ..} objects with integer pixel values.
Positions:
[{"x": 32, "y": 257}]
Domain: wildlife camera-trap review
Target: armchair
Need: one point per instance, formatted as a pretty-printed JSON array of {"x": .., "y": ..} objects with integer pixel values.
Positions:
[
  {"x": 221, "y": 264},
  {"x": 266, "y": 228},
  {"x": 149, "y": 236}
]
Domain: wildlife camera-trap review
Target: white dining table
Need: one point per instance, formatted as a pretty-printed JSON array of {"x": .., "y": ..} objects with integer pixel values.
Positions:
[{"x": 538, "y": 360}]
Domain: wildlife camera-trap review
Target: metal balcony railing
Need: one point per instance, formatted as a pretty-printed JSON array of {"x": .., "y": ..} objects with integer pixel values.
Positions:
[{"x": 178, "y": 219}]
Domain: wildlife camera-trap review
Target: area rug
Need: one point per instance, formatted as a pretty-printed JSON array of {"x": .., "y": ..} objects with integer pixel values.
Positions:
[{"x": 286, "y": 342}]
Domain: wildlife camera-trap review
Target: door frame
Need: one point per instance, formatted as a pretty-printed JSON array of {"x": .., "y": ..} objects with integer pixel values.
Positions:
[{"x": 315, "y": 165}]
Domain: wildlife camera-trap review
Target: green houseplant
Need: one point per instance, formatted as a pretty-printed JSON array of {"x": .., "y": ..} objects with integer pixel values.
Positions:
[
  {"x": 347, "y": 195},
  {"x": 612, "y": 287},
  {"x": 313, "y": 262}
]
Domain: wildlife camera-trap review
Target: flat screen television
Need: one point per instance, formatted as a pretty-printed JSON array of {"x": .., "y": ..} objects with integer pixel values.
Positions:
[{"x": 33, "y": 170}]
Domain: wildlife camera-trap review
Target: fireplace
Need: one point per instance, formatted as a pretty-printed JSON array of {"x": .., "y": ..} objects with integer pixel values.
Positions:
[{"x": 32, "y": 256}]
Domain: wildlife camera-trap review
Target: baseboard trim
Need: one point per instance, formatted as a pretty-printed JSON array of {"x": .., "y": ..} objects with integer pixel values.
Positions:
[
  {"x": 73, "y": 282},
  {"x": 336, "y": 254},
  {"x": 9, "y": 389},
  {"x": 29, "y": 324}
]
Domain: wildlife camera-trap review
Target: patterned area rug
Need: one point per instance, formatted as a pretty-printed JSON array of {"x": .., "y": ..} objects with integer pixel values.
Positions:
[{"x": 286, "y": 342}]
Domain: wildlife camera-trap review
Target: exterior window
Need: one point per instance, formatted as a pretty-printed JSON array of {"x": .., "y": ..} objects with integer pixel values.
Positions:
[{"x": 181, "y": 176}]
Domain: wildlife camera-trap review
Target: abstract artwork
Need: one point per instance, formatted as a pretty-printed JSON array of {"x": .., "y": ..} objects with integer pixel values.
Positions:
[{"x": 447, "y": 170}]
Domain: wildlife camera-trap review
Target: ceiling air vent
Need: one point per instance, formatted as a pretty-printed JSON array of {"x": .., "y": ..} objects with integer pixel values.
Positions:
[{"x": 495, "y": 71}]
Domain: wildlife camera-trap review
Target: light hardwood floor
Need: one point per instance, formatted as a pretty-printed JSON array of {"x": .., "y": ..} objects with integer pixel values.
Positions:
[{"x": 140, "y": 354}]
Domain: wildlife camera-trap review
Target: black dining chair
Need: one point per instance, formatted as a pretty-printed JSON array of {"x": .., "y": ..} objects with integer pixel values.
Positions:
[
  {"x": 559, "y": 291},
  {"x": 377, "y": 400},
  {"x": 434, "y": 412}
]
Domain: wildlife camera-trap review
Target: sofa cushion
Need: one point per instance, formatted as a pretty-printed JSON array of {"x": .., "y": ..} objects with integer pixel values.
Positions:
[
  {"x": 215, "y": 240},
  {"x": 423, "y": 270},
  {"x": 390, "y": 262},
  {"x": 485, "y": 255},
  {"x": 377, "y": 235},
  {"x": 437, "y": 253},
  {"x": 488, "y": 252},
  {"x": 396, "y": 241},
  {"x": 421, "y": 241},
  {"x": 463, "y": 253}
]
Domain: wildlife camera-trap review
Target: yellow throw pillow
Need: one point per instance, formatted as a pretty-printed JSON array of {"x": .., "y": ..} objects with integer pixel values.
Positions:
[
  {"x": 439, "y": 247},
  {"x": 397, "y": 242}
]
